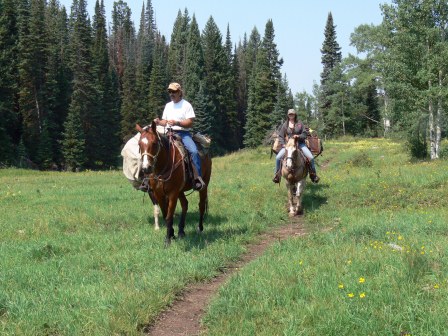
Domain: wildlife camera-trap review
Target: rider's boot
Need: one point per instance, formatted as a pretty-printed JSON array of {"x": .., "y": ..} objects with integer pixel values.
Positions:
[
  {"x": 198, "y": 182},
  {"x": 145, "y": 185},
  {"x": 313, "y": 176},
  {"x": 276, "y": 178}
]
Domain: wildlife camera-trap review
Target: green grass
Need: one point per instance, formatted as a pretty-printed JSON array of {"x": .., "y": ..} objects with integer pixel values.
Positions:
[
  {"x": 374, "y": 261},
  {"x": 79, "y": 255}
]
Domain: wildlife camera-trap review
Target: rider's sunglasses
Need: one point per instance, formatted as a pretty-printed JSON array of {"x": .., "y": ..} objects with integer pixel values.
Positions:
[{"x": 171, "y": 91}]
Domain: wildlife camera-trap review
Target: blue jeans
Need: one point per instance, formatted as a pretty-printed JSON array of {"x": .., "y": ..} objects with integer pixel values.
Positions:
[
  {"x": 305, "y": 151},
  {"x": 189, "y": 144}
]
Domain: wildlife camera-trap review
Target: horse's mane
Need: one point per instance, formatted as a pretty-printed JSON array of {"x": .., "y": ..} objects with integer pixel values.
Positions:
[
  {"x": 161, "y": 136},
  {"x": 291, "y": 142}
]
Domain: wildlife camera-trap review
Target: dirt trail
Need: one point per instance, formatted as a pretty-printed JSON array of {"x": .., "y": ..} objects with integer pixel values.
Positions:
[{"x": 184, "y": 316}]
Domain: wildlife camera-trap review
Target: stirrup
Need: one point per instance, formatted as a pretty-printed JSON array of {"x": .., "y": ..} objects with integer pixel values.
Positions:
[
  {"x": 198, "y": 183},
  {"x": 315, "y": 178}
]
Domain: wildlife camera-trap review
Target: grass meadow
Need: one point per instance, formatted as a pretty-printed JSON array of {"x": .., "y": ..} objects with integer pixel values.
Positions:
[
  {"x": 79, "y": 255},
  {"x": 374, "y": 261}
]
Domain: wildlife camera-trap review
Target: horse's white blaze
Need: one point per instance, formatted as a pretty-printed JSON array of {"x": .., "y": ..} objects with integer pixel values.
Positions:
[
  {"x": 145, "y": 163},
  {"x": 289, "y": 152},
  {"x": 145, "y": 141}
]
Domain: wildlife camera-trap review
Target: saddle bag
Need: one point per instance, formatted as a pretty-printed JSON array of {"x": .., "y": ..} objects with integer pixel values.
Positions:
[
  {"x": 276, "y": 146},
  {"x": 202, "y": 139},
  {"x": 314, "y": 143}
]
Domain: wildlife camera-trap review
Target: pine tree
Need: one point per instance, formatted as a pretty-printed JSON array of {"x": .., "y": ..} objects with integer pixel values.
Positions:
[
  {"x": 194, "y": 66},
  {"x": 58, "y": 88},
  {"x": 32, "y": 63},
  {"x": 9, "y": 119},
  {"x": 73, "y": 143},
  {"x": 230, "y": 132},
  {"x": 215, "y": 68},
  {"x": 331, "y": 59},
  {"x": 158, "y": 97},
  {"x": 107, "y": 112},
  {"x": 263, "y": 89},
  {"x": 84, "y": 99},
  {"x": 45, "y": 149},
  {"x": 178, "y": 44}
]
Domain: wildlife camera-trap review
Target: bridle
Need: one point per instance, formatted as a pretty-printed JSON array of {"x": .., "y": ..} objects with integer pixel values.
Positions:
[{"x": 152, "y": 157}]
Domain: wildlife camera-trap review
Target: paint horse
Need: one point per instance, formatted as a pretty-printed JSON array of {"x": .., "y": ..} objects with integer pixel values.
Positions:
[
  {"x": 169, "y": 179},
  {"x": 295, "y": 171}
]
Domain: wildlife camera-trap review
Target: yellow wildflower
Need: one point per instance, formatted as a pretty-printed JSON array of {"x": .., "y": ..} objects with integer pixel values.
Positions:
[
  {"x": 350, "y": 295},
  {"x": 340, "y": 286},
  {"x": 361, "y": 280},
  {"x": 362, "y": 295}
]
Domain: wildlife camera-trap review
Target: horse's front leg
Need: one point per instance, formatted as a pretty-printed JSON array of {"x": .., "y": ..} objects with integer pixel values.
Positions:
[
  {"x": 299, "y": 193},
  {"x": 184, "y": 204},
  {"x": 156, "y": 217},
  {"x": 291, "y": 199},
  {"x": 172, "y": 201}
]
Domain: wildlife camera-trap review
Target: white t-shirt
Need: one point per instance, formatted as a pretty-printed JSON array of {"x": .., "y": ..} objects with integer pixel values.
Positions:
[{"x": 178, "y": 111}]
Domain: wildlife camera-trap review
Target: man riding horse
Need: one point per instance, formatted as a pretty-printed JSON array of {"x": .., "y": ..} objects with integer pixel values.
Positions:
[{"x": 179, "y": 115}]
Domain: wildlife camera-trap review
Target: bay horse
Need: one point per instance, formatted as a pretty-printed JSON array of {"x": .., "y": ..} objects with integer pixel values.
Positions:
[
  {"x": 295, "y": 171},
  {"x": 168, "y": 177}
]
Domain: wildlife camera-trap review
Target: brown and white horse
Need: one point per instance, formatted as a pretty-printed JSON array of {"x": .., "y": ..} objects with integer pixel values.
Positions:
[
  {"x": 162, "y": 159},
  {"x": 295, "y": 171}
]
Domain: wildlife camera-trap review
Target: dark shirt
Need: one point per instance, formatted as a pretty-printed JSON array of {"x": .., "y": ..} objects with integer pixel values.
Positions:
[{"x": 286, "y": 132}]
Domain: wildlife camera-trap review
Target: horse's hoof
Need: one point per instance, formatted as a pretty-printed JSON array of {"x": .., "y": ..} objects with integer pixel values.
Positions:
[
  {"x": 181, "y": 235},
  {"x": 292, "y": 214},
  {"x": 167, "y": 242}
]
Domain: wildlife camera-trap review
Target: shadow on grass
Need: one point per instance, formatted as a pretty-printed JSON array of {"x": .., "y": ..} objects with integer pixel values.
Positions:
[
  {"x": 312, "y": 200},
  {"x": 214, "y": 230}
]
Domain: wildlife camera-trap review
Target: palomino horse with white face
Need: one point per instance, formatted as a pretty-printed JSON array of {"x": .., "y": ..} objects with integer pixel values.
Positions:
[
  {"x": 295, "y": 171},
  {"x": 163, "y": 160}
]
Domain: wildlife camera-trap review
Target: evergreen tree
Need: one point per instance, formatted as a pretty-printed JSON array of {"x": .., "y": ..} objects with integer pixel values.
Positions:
[
  {"x": 9, "y": 119},
  {"x": 32, "y": 63},
  {"x": 158, "y": 96},
  {"x": 84, "y": 99},
  {"x": 194, "y": 66},
  {"x": 58, "y": 76},
  {"x": 106, "y": 111},
  {"x": 263, "y": 89},
  {"x": 331, "y": 59},
  {"x": 230, "y": 132},
  {"x": 73, "y": 143},
  {"x": 45, "y": 149},
  {"x": 122, "y": 39},
  {"x": 204, "y": 110},
  {"x": 178, "y": 44},
  {"x": 215, "y": 68}
]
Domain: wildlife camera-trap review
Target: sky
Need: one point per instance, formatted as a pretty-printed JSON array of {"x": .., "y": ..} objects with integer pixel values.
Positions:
[{"x": 298, "y": 25}]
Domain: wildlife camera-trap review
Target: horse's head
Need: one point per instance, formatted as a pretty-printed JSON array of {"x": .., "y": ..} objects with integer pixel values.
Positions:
[
  {"x": 149, "y": 146},
  {"x": 292, "y": 153}
]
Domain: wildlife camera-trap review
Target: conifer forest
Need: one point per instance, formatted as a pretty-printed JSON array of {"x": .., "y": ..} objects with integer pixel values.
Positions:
[{"x": 72, "y": 87}]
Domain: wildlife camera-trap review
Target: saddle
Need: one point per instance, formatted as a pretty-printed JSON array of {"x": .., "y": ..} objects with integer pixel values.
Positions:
[{"x": 202, "y": 143}]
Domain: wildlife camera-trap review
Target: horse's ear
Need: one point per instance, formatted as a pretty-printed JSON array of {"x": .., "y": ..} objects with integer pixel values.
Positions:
[
  {"x": 138, "y": 128},
  {"x": 153, "y": 126}
]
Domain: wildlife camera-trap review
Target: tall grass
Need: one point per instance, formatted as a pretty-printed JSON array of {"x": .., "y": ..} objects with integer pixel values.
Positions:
[
  {"x": 374, "y": 261},
  {"x": 79, "y": 255}
]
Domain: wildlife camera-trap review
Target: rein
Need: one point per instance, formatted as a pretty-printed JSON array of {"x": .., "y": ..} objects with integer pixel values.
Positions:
[{"x": 174, "y": 165}]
